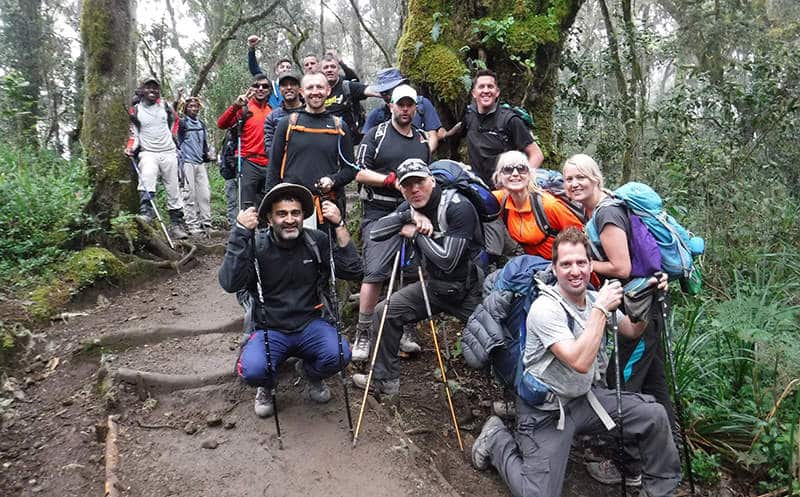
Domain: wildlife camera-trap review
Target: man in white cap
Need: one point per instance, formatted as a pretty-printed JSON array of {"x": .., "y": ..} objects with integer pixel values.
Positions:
[
  {"x": 287, "y": 279},
  {"x": 384, "y": 148}
]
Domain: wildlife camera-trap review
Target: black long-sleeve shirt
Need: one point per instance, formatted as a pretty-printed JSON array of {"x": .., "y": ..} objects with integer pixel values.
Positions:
[
  {"x": 311, "y": 156},
  {"x": 451, "y": 252},
  {"x": 293, "y": 281}
]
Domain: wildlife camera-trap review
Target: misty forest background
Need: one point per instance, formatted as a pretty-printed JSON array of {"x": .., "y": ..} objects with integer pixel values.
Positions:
[{"x": 699, "y": 98}]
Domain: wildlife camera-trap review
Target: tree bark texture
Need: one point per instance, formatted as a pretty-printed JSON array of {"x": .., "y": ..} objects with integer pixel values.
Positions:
[
  {"x": 106, "y": 34},
  {"x": 521, "y": 40}
]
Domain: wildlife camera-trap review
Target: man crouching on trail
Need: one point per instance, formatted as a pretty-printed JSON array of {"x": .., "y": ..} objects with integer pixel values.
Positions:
[
  {"x": 288, "y": 283},
  {"x": 564, "y": 362}
]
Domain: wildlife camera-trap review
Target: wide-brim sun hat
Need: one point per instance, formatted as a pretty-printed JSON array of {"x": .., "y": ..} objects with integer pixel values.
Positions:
[
  {"x": 388, "y": 79},
  {"x": 283, "y": 190}
]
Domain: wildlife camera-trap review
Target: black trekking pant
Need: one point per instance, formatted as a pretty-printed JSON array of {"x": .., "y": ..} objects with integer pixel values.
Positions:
[{"x": 253, "y": 180}]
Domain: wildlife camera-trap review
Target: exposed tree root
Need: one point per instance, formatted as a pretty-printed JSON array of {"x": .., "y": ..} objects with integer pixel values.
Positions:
[
  {"x": 153, "y": 335},
  {"x": 112, "y": 459},
  {"x": 172, "y": 382}
]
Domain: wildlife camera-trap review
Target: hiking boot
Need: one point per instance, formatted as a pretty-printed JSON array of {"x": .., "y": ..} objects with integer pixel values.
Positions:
[
  {"x": 408, "y": 342},
  {"x": 481, "y": 448},
  {"x": 606, "y": 472},
  {"x": 177, "y": 228},
  {"x": 264, "y": 407},
  {"x": 386, "y": 387},
  {"x": 317, "y": 389},
  {"x": 361, "y": 345},
  {"x": 146, "y": 212},
  {"x": 504, "y": 408}
]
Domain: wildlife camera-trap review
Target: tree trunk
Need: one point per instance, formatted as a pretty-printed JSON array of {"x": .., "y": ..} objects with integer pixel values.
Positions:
[
  {"x": 106, "y": 35},
  {"x": 521, "y": 41}
]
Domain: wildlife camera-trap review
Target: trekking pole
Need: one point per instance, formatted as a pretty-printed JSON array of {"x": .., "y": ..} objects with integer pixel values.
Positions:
[
  {"x": 618, "y": 378},
  {"x": 377, "y": 345},
  {"x": 335, "y": 305},
  {"x": 439, "y": 357},
  {"x": 153, "y": 204},
  {"x": 266, "y": 344},
  {"x": 239, "y": 126},
  {"x": 667, "y": 335}
]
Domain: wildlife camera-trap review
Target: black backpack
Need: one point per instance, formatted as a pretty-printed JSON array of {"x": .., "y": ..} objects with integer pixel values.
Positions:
[
  {"x": 504, "y": 114},
  {"x": 226, "y": 158},
  {"x": 355, "y": 109}
]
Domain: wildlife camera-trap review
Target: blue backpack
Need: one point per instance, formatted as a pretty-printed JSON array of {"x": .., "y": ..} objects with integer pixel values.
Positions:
[
  {"x": 519, "y": 277},
  {"x": 678, "y": 247},
  {"x": 450, "y": 174}
]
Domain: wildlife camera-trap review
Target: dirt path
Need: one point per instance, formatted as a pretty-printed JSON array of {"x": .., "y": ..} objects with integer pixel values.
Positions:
[{"x": 53, "y": 444}]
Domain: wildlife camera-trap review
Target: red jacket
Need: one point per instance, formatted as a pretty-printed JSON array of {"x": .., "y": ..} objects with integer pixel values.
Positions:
[{"x": 253, "y": 130}]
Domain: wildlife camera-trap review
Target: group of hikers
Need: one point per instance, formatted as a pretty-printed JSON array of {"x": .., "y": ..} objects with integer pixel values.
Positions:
[{"x": 300, "y": 143}]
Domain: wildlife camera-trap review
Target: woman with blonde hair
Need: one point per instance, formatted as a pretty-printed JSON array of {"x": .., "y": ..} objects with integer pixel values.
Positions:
[
  {"x": 642, "y": 360},
  {"x": 532, "y": 216}
]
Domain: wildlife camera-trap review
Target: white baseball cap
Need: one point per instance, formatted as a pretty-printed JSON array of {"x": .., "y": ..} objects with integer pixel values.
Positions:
[{"x": 403, "y": 91}]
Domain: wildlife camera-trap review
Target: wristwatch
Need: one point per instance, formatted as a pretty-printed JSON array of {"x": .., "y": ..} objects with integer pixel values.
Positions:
[{"x": 341, "y": 223}]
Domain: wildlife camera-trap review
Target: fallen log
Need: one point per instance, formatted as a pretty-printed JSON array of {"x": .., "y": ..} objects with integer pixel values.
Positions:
[
  {"x": 135, "y": 336},
  {"x": 160, "y": 382}
]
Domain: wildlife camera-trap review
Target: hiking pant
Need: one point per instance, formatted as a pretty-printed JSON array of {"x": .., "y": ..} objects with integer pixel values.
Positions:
[
  {"x": 407, "y": 306},
  {"x": 164, "y": 164},
  {"x": 254, "y": 178},
  {"x": 231, "y": 201},
  {"x": 317, "y": 345},
  {"x": 197, "y": 196},
  {"x": 533, "y": 460},
  {"x": 498, "y": 241}
]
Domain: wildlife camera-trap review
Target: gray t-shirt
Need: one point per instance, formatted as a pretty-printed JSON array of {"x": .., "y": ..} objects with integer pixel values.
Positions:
[
  {"x": 547, "y": 324},
  {"x": 154, "y": 132},
  {"x": 614, "y": 214}
]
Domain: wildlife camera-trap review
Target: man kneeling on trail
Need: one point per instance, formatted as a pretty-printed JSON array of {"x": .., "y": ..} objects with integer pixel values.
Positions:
[
  {"x": 288, "y": 282},
  {"x": 564, "y": 349}
]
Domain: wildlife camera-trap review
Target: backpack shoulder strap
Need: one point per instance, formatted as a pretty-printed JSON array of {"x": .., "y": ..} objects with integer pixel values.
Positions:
[
  {"x": 337, "y": 124},
  {"x": 380, "y": 135},
  {"x": 346, "y": 88},
  {"x": 289, "y": 129},
  {"x": 537, "y": 206},
  {"x": 420, "y": 106},
  {"x": 312, "y": 244},
  {"x": 503, "y": 210}
]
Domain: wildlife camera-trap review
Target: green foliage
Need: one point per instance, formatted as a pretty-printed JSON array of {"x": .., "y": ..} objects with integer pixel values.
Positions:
[
  {"x": 16, "y": 106},
  {"x": 41, "y": 212}
]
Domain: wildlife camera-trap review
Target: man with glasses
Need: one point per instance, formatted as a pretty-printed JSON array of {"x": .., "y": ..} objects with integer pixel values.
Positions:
[
  {"x": 491, "y": 129},
  {"x": 282, "y": 65},
  {"x": 249, "y": 112}
]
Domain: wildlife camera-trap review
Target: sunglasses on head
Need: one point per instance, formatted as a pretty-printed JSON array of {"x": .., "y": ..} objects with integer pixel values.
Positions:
[
  {"x": 261, "y": 86},
  {"x": 520, "y": 168}
]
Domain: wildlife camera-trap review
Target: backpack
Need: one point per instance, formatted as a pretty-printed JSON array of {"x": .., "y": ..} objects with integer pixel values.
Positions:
[
  {"x": 553, "y": 183},
  {"x": 454, "y": 176},
  {"x": 505, "y": 113},
  {"x": 355, "y": 108},
  {"x": 523, "y": 276},
  {"x": 677, "y": 246},
  {"x": 226, "y": 157}
]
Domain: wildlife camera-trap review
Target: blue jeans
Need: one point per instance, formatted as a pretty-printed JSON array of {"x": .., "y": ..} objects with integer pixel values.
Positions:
[{"x": 317, "y": 345}]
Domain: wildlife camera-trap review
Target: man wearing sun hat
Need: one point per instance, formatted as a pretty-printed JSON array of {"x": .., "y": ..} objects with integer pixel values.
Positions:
[
  {"x": 290, "y": 297},
  {"x": 195, "y": 152}
]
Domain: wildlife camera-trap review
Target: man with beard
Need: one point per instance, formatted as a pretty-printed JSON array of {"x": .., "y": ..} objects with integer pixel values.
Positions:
[
  {"x": 249, "y": 111},
  {"x": 285, "y": 271},
  {"x": 384, "y": 148},
  {"x": 447, "y": 255},
  {"x": 289, "y": 84},
  {"x": 152, "y": 138},
  {"x": 313, "y": 148}
]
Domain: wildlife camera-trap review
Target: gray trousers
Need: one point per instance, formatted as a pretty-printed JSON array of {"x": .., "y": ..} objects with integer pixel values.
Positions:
[
  {"x": 196, "y": 196},
  {"x": 407, "y": 305},
  {"x": 164, "y": 164},
  {"x": 533, "y": 460},
  {"x": 231, "y": 200}
]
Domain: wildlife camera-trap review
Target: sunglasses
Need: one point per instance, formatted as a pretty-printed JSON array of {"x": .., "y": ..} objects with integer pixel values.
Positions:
[
  {"x": 520, "y": 168},
  {"x": 261, "y": 86}
]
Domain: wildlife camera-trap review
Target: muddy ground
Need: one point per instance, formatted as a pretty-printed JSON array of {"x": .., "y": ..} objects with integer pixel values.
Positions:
[{"x": 206, "y": 442}]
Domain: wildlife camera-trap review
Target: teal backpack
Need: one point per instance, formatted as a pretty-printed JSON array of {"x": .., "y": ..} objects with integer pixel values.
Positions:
[{"x": 678, "y": 246}]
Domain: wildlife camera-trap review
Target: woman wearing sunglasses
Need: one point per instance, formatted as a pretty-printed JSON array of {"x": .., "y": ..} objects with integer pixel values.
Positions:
[{"x": 528, "y": 210}]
